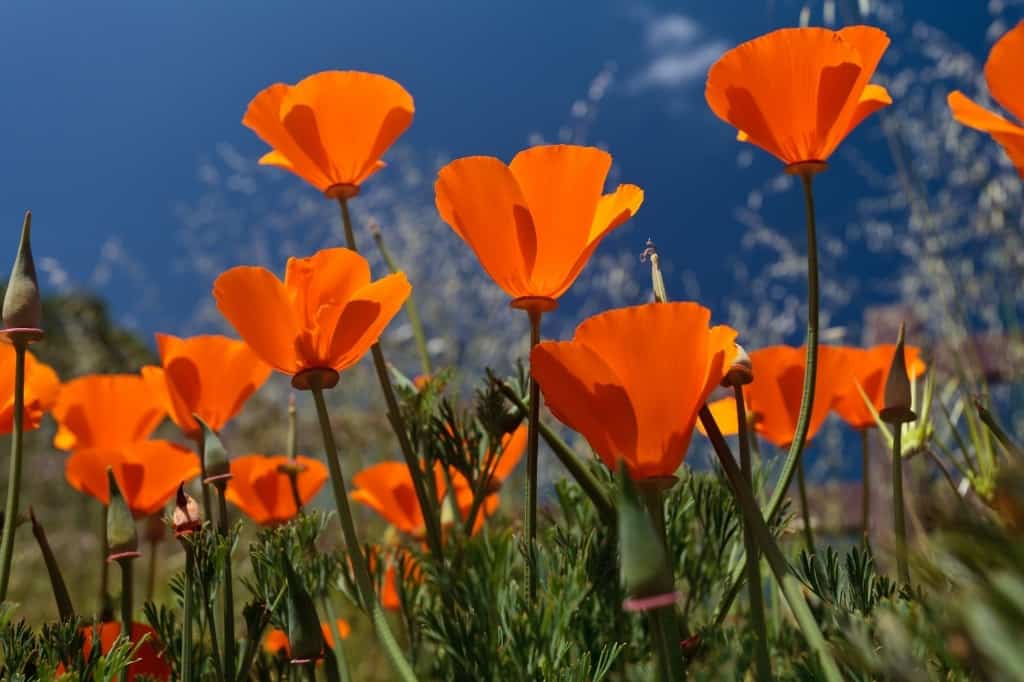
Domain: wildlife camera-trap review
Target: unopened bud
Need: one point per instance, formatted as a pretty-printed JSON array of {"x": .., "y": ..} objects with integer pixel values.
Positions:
[
  {"x": 741, "y": 372},
  {"x": 897, "y": 408},
  {"x": 305, "y": 637},
  {"x": 644, "y": 569},
  {"x": 215, "y": 457},
  {"x": 122, "y": 538},
  {"x": 186, "y": 518},
  {"x": 22, "y": 307}
]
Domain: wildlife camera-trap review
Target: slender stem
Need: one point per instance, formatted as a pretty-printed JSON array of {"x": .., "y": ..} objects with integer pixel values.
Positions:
[
  {"x": 945, "y": 472},
  {"x": 309, "y": 670},
  {"x": 532, "y": 446},
  {"x": 805, "y": 508},
  {"x": 664, "y": 621},
  {"x": 14, "y": 477},
  {"x": 229, "y": 595},
  {"x": 898, "y": 512},
  {"x": 204, "y": 488},
  {"x": 807, "y": 397},
  {"x": 186, "y": 635},
  {"x": 865, "y": 507},
  {"x": 214, "y": 640},
  {"x": 339, "y": 650},
  {"x": 754, "y": 584},
  {"x": 355, "y": 552},
  {"x": 105, "y": 608},
  {"x": 427, "y": 505},
  {"x": 126, "y": 605},
  {"x": 411, "y": 308},
  {"x": 151, "y": 569},
  {"x": 790, "y": 585},
  {"x": 292, "y": 448}
]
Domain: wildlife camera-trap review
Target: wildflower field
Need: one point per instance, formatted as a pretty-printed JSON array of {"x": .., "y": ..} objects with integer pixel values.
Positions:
[{"x": 312, "y": 496}]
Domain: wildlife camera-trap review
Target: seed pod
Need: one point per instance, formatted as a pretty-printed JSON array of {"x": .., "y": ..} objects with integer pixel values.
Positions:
[
  {"x": 215, "y": 456},
  {"x": 644, "y": 569},
  {"x": 122, "y": 538},
  {"x": 22, "y": 307},
  {"x": 897, "y": 408}
]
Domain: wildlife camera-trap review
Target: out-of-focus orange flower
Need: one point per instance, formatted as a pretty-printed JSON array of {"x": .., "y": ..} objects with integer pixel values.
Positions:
[
  {"x": 211, "y": 376},
  {"x": 325, "y": 315},
  {"x": 106, "y": 411},
  {"x": 534, "y": 223},
  {"x": 149, "y": 660},
  {"x": 632, "y": 381},
  {"x": 260, "y": 486},
  {"x": 869, "y": 368},
  {"x": 275, "y": 642},
  {"x": 41, "y": 389},
  {"x": 148, "y": 472},
  {"x": 513, "y": 445},
  {"x": 331, "y": 128},
  {"x": 798, "y": 92},
  {"x": 1002, "y": 71},
  {"x": 387, "y": 488},
  {"x": 389, "y": 597}
]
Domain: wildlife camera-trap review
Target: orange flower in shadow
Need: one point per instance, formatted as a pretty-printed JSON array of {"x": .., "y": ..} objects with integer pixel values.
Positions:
[
  {"x": 513, "y": 445},
  {"x": 798, "y": 92},
  {"x": 275, "y": 642},
  {"x": 148, "y": 472},
  {"x": 331, "y": 128},
  {"x": 627, "y": 385},
  {"x": 1003, "y": 74},
  {"x": 389, "y": 596},
  {"x": 106, "y": 411},
  {"x": 325, "y": 315},
  {"x": 41, "y": 390},
  {"x": 868, "y": 368},
  {"x": 387, "y": 489},
  {"x": 260, "y": 486},
  {"x": 534, "y": 223},
  {"x": 211, "y": 376},
  {"x": 148, "y": 660}
]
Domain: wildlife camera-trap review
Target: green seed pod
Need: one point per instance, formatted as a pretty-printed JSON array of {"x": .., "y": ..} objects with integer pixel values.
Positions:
[
  {"x": 122, "y": 538},
  {"x": 305, "y": 638},
  {"x": 22, "y": 306}
]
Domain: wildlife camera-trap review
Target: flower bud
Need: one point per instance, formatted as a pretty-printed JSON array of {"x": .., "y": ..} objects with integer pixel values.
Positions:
[
  {"x": 216, "y": 464},
  {"x": 741, "y": 372},
  {"x": 22, "y": 307},
  {"x": 897, "y": 409},
  {"x": 644, "y": 569},
  {"x": 122, "y": 539},
  {"x": 186, "y": 518},
  {"x": 305, "y": 637}
]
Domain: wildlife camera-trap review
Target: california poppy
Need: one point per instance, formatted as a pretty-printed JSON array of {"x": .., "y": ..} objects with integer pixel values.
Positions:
[
  {"x": 507, "y": 456},
  {"x": 1002, "y": 72},
  {"x": 633, "y": 380},
  {"x": 798, "y": 92},
  {"x": 41, "y": 389},
  {"x": 331, "y": 128},
  {"x": 147, "y": 472},
  {"x": 148, "y": 659},
  {"x": 211, "y": 376},
  {"x": 324, "y": 316},
  {"x": 392, "y": 557},
  {"x": 868, "y": 369},
  {"x": 260, "y": 486},
  {"x": 387, "y": 488},
  {"x": 275, "y": 642},
  {"x": 535, "y": 222},
  {"x": 106, "y": 411}
]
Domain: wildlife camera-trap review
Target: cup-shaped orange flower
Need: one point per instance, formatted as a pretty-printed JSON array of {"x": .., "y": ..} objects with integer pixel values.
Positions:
[
  {"x": 862, "y": 374},
  {"x": 1003, "y": 73},
  {"x": 535, "y": 222},
  {"x": 633, "y": 380},
  {"x": 106, "y": 411},
  {"x": 41, "y": 389},
  {"x": 147, "y": 472},
  {"x": 798, "y": 92},
  {"x": 324, "y": 316},
  {"x": 331, "y": 128},
  {"x": 275, "y": 642},
  {"x": 211, "y": 376},
  {"x": 387, "y": 488},
  {"x": 148, "y": 660},
  {"x": 261, "y": 486}
]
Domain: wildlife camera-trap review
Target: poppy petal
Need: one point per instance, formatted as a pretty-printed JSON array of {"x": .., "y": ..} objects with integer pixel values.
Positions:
[
  {"x": 1003, "y": 70},
  {"x": 1010, "y": 136},
  {"x": 365, "y": 316},
  {"x": 270, "y": 328}
]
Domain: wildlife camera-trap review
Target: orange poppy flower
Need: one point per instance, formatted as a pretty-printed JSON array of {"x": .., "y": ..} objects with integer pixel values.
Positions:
[
  {"x": 324, "y": 316},
  {"x": 261, "y": 489},
  {"x": 1002, "y": 72},
  {"x": 211, "y": 376},
  {"x": 106, "y": 411},
  {"x": 41, "y": 389},
  {"x": 513, "y": 445},
  {"x": 798, "y": 92},
  {"x": 149, "y": 660},
  {"x": 389, "y": 597},
  {"x": 148, "y": 472},
  {"x": 275, "y": 642},
  {"x": 386, "y": 488},
  {"x": 869, "y": 368},
  {"x": 534, "y": 223},
  {"x": 625, "y": 385},
  {"x": 331, "y": 128}
]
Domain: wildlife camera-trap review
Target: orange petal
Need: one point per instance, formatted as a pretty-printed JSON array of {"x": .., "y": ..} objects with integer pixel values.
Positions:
[
  {"x": 150, "y": 472},
  {"x": 41, "y": 389},
  {"x": 387, "y": 488},
  {"x": 1003, "y": 71},
  {"x": 364, "y": 318},
  {"x": 328, "y": 277},
  {"x": 724, "y": 412},
  {"x": 259, "y": 308},
  {"x": 513, "y": 445},
  {"x": 86, "y": 471},
  {"x": 873, "y": 98},
  {"x": 106, "y": 411},
  {"x": 1010, "y": 136}
]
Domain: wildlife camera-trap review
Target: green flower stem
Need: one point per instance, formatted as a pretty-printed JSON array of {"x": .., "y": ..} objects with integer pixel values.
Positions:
[
  {"x": 151, "y": 569},
  {"x": 427, "y": 505},
  {"x": 791, "y": 587},
  {"x": 532, "y": 447},
  {"x": 355, "y": 552},
  {"x": 865, "y": 504},
  {"x": 205, "y": 489},
  {"x": 14, "y": 477},
  {"x": 57, "y": 584},
  {"x": 411, "y": 309},
  {"x": 805, "y": 507},
  {"x": 339, "y": 650},
  {"x": 898, "y": 512},
  {"x": 309, "y": 670},
  {"x": 104, "y": 607},
  {"x": 754, "y": 584},
  {"x": 126, "y": 605},
  {"x": 577, "y": 469},
  {"x": 186, "y": 635},
  {"x": 664, "y": 621},
  {"x": 807, "y": 397},
  {"x": 229, "y": 595},
  {"x": 292, "y": 447}
]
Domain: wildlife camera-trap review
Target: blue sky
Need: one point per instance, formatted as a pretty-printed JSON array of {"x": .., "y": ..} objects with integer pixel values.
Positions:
[{"x": 109, "y": 108}]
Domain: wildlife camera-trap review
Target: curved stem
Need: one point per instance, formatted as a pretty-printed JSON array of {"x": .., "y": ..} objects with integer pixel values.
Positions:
[
  {"x": 898, "y": 512},
  {"x": 354, "y": 548},
  {"x": 532, "y": 446},
  {"x": 754, "y": 584},
  {"x": 229, "y": 596},
  {"x": 126, "y": 605},
  {"x": 805, "y": 507},
  {"x": 14, "y": 477},
  {"x": 186, "y": 635}
]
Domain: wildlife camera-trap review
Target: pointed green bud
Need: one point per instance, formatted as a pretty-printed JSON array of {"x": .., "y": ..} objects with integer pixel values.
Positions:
[
  {"x": 644, "y": 566},
  {"x": 57, "y": 584},
  {"x": 305, "y": 638},
  {"x": 897, "y": 408},
  {"x": 215, "y": 457},
  {"x": 122, "y": 539},
  {"x": 23, "y": 308}
]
